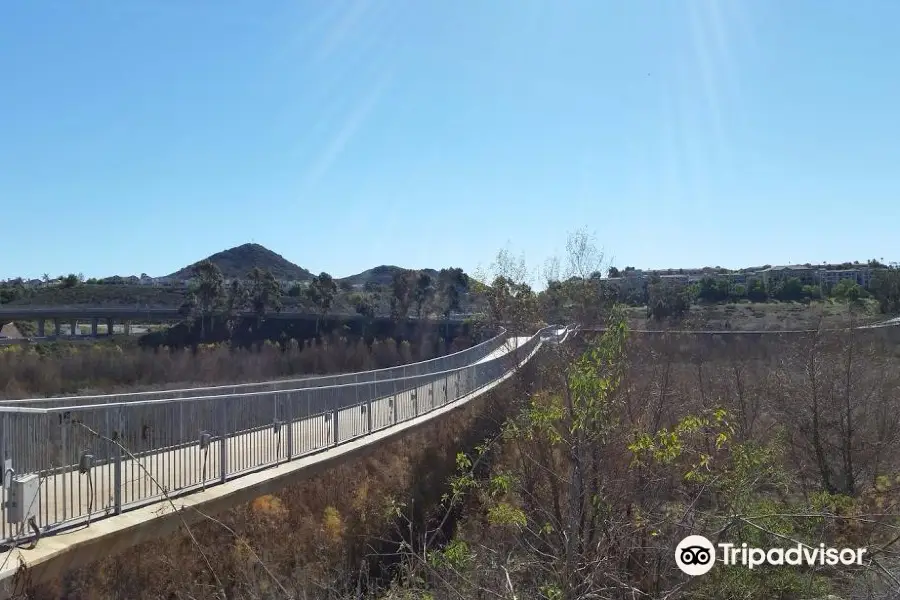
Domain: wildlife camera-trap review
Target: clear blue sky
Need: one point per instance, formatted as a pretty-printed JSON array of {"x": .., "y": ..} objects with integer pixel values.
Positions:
[{"x": 142, "y": 135}]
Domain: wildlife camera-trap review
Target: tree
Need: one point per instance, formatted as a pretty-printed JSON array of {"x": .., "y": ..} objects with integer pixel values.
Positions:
[
  {"x": 788, "y": 290},
  {"x": 71, "y": 280},
  {"x": 583, "y": 256},
  {"x": 498, "y": 298},
  {"x": 237, "y": 300},
  {"x": 548, "y": 501},
  {"x": 321, "y": 292},
  {"x": 209, "y": 291},
  {"x": 583, "y": 290},
  {"x": 452, "y": 284},
  {"x": 188, "y": 309},
  {"x": 756, "y": 291},
  {"x": 423, "y": 292},
  {"x": 886, "y": 289},
  {"x": 401, "y": 298},
  {"x": 552, "y": 302},
  {"x": 524, "y": 306},
  {"x": 811, "y": 292},
  {"x": 667, "y": 301},
  {"x": 364, "y": 305},
  {"x": 613, "y": 272},
  {"x": 265, "y": 293},
  {"x": 713, "y": 290},
  {"x": 513, "y": 303}
]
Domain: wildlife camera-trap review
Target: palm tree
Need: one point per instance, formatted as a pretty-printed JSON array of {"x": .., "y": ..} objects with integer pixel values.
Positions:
[
  {"x": 210, "y": 290},
  {"x": 237, "y": 300}
]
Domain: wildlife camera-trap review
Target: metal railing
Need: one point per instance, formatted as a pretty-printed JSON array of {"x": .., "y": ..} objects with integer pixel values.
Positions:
[
  {"x": 149, "y": 448},
  {"x": 434, "y": 365}
]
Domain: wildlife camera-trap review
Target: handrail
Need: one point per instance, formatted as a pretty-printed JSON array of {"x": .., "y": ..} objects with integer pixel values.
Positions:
[
  {"x": 261, "y": 394},
  {"x": 487, "y": 347}
]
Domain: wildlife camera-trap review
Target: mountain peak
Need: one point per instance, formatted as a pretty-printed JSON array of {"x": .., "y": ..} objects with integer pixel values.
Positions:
[{"x": 236, "y": 262}]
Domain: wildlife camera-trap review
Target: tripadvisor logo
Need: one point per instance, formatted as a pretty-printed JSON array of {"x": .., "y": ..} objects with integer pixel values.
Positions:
[{"x": 696, "y": 555}]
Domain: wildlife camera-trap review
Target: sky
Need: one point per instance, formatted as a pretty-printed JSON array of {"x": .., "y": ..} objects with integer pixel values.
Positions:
[{"x": 143, "y": 135}]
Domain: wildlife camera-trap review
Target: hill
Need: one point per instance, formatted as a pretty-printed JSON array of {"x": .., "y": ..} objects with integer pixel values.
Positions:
[
  {"x": 382, "y": 275},
  {"x": 238, "y": 261}
]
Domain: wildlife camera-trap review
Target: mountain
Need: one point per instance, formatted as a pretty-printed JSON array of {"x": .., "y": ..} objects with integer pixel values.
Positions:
[
  {"x": 382, "y": 275},
  {"x": 238, "y": 261}
]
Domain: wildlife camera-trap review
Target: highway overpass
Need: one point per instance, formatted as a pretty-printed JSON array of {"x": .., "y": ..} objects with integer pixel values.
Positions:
[{"x": 88, "y": 476}]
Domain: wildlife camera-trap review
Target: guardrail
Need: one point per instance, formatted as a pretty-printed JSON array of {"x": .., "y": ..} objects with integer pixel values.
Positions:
[
  {"x": 434, "y": 365},
  {"x": 100, "y": 459}
]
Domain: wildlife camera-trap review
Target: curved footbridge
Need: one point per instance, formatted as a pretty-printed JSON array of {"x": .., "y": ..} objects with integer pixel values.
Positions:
[{"x": 88, "y": 476}]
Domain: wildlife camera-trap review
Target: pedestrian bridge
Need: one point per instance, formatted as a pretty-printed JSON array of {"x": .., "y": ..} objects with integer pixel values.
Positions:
[{"x": 88, "y": 476}]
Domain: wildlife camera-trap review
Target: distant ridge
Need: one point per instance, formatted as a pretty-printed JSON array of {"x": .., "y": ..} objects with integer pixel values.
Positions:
[
  {"x": 236, "y": 262},
  {"x": 381, "y": 275}
]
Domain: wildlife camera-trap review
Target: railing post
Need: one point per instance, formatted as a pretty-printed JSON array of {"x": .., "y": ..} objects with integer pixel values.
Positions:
[
  {"x": 223, "y": 442},
  {"x": 334, "y": 418},
  {"x": 394, "y": 399},
  {"x": 289, "y": 419},
  {"x": 117, "y": 464}
]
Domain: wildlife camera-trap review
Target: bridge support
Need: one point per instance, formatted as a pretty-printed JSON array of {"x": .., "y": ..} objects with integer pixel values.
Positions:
[
  {"x": 42, "y": 329},
  {"x": 127, "y": 327},
  {"x": 57, "y": 327},
  {"x": 95, "y": 323},
  {"x": 110, "y": 327},
  {"x": 73, "y": 328}
]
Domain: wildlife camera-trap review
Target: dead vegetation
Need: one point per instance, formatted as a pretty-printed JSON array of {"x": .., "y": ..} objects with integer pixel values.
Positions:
[
  {"x": 764, "y": 316},
  {"x": 760, "y": 439}
]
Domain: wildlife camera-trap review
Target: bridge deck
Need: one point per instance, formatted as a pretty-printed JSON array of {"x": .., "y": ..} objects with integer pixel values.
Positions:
[
  {"x": 70, "y": 498},
  {"x": 79, "y": 546},
  {"x": 55, "y": 555}
]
